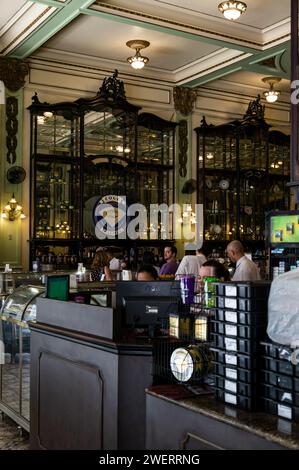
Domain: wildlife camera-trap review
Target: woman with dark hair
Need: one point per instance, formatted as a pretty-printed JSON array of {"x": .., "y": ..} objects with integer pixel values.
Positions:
[{"x": 100, "y": 266}]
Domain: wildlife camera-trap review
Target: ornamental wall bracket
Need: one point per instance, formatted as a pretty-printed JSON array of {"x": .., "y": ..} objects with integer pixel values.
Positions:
[
  {"x": 184, "y": 99},
  {"x": 13, "y": 73}
]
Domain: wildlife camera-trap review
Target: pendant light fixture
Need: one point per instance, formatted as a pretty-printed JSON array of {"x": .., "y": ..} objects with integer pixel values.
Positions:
[
  {"x": 137, "y": 61},
  {"x": 232, "y": 10},
  {"x": 271, "y": 95}
]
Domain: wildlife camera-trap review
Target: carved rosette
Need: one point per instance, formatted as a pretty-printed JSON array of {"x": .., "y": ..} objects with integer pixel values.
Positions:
[
  {"x": 13, "y": 73},
  {"x": 183, "y": 148},
  {"x": 184, "y": 99}
]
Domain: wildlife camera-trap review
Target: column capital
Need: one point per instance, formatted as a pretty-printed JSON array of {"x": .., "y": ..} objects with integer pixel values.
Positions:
[
  {"x": 184, "y": 99},
  {"x": 13, "y": 73}
]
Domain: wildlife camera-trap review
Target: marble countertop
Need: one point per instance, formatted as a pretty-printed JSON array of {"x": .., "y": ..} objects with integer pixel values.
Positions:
[{"x": 270, "y": 427}]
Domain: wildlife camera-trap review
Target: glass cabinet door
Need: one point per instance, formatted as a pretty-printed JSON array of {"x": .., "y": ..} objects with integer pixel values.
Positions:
[
  {"x": 56, "y": 201},
  {"x": 108, "y": 135},
  {"x": 56, "y": 134}
]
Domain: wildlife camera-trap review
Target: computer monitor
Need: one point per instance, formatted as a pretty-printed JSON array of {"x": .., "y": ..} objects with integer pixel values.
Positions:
[
  {"x": 282, "y": 228},
  {"x": 57, "y": 287},
  {"x": 145, "y": 304}
]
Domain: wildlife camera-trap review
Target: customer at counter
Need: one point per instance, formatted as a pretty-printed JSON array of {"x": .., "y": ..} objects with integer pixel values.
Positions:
[
  {"x": 100, "y": 270},
  {"x": 246, "y": 270},
  {"x": 171, "y": 265},
  {"x": 147, "y": 272},
  {"x": 214, "y": 268}
]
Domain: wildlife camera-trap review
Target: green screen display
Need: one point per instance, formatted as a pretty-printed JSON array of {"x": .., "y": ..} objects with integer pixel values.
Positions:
[
  {"x": 57, "y": 287},
  {"x": 285, "y": 229}
]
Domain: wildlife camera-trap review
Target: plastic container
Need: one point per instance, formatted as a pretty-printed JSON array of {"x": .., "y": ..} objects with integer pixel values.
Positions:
[
  {"x": 280, "y": 381},
  {"x": 241, "y": 401},
  {"x": 233, "y": 330},
  {"x": 243, "y": 304},
  {"x": 258, "y": 289},
  {"x": 209, "y": 291},
  {"x": 187, "y": 284},
  {"x": 279, "y": 366},
  {"x": 281, "y": 409},
  {"x": 233, "y": 359},
  {"x": 241, "y": 318},
  {"x": 236, "y": 373},
  {"x": 238, "y": 345}
]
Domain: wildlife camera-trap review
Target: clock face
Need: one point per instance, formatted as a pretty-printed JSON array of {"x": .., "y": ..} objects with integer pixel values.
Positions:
[
  {"x": 224, "y": 184},
  {"x": 209, "y": 183}
]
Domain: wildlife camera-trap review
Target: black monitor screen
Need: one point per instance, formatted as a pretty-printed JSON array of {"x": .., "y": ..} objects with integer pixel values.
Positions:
[
  {"x": 57, "y": 287},
  {"x": 146, "y": 304}
]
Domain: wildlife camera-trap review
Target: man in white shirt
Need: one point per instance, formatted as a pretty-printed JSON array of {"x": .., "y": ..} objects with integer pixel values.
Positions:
[
  {"x": 246, "y": 270},
  {"x": 191, "y": 264}
]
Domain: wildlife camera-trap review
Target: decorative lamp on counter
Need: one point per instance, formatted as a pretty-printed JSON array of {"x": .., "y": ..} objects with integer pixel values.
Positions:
[
  {"x": 13, "y": 210},
  {"x": 137, "y": 61},
  {"x": 271, "y": 95},
  {"x": 232, "y": 10}
]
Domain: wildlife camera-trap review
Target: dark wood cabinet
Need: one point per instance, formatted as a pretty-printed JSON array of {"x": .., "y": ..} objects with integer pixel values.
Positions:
[
  {"x": 84, "y": 152},
  {"x": 242, "y": 173}
]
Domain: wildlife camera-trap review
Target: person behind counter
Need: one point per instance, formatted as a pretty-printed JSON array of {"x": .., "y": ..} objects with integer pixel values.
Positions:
[
  {"x": 147, "y": 272},
  {"x": 100, "y": 267},
  {"x": 171, "y": 265},
  {"x": 246, "y": 270},
  {"x": 214, "y": 268},
  {"x": 191, "y": 264}
]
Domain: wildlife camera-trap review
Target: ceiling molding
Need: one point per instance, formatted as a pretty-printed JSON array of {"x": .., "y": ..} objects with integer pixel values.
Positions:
[
  {"x": 22, "y": 25},
  {"x": 61, "y": 17},
  {"x": 169, "y": 26}
]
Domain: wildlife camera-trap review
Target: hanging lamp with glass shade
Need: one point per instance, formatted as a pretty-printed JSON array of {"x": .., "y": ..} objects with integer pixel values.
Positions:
[
  {"x": 137, "y": 61},
  {"x": 271, "y": 95},
  {"x": 232, "y": 10}
]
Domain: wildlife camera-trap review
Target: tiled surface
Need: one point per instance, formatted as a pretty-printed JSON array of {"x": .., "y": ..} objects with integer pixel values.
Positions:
[{"x": 10, "y": 438}]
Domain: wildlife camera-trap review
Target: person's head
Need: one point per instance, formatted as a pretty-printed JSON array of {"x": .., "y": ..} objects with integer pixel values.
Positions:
[
  {"x": 170, "y": 252},
  {"x": 147, "y": 272},
  {"x": 235, "y": 250},
  {"x": 214, "y": 268},
  {"x": 101, "y": 259},
  {"x": 149, "y": 258}
]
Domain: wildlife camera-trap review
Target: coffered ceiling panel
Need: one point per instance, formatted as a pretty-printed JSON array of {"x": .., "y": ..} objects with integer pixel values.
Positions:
[
  {"x": 106, "y": 39},
  {"x": 260, "y": 13}
]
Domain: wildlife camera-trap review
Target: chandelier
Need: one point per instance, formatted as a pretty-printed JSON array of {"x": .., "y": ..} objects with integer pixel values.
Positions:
[
  {"x": 137, "y": 61},
  {"x": 13, "y": 210},
  {"x": 232, "y": 10},
  {"x": 271, "y": 95}
]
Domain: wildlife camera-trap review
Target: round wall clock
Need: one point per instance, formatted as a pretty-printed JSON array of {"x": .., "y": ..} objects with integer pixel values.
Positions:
[
  {"x": 224, "y": 184},
  {"x": 16, "y": 174}
]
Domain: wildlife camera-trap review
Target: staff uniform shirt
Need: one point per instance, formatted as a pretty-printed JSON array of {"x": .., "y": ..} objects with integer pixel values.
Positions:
[
  {"x": 169, "y": 268},
  {"x": 190, "y": 264},
  {"x": 246, "y": 270}
]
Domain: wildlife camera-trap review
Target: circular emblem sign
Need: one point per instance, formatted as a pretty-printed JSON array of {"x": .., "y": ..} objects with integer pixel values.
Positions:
[{"x": 110, "y": 216}]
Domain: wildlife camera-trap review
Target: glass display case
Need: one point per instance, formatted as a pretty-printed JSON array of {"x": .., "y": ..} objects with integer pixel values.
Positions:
[
  {"x": 243, "y": 170},
  {"x": 18, "y": 309},
  {"x": 84, "y": 152}
]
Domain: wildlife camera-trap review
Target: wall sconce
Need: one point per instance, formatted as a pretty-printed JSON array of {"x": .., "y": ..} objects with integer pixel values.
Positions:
[
  {"x": 13, "y": 210},
  {"x": 137, "y": 61},
  {"x": 232, "y": 10},
  {"x": 271, "y": 95}
]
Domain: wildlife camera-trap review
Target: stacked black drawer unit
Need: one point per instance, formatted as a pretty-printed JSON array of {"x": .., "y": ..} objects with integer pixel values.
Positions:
[
  {"x": 239, "y": 326},
  {"x": 280, "y": 381}
]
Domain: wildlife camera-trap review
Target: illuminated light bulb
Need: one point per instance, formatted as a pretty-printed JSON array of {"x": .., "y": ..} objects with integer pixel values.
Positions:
[
  {"x": 271, "y": 96},
  {"x": 210, "y": 156},
  {"x": 232, "y": 10},
  {"x": 48, "y": 114},
  {"x": 200, "y": 158}
]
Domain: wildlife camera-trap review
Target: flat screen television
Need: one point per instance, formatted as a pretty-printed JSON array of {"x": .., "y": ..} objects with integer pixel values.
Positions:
[
  {"x": 57, "y": 287},
  {"x": 147, "y": 304},
  {"x": 283, "y": 228}
]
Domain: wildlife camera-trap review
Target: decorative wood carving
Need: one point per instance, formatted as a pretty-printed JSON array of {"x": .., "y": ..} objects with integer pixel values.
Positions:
[
  {"x": 183, "y": 147},
  {"x": 13, "y": 73},
  {"x": 184, "y": 99},
  {"x": 11, "y": 129},
  {"x": 112, "y": 88}
]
